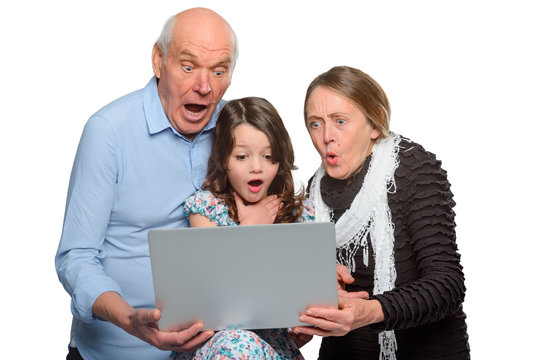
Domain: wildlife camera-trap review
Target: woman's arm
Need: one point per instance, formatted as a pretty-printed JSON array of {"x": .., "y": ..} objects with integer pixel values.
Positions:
[{"x": 429, "y": 223}]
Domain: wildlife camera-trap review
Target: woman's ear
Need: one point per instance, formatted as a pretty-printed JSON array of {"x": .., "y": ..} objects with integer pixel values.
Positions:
[{"x": 375, "y": 133}]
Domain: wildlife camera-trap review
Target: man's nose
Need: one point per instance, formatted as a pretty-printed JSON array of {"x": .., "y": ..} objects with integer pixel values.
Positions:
[{"x": 202, "y": 85}]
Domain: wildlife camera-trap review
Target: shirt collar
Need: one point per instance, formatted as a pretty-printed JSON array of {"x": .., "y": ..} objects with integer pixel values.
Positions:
[{"x": 157, "y": 119}]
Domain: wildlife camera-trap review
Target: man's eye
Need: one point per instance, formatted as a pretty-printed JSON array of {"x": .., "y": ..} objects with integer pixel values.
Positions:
[
  {"x": 315, "y": 124},
  {"x": 187, "y": 68},
  {"x": 219, "y": 73},
  {"x": 341, "y": 121}
]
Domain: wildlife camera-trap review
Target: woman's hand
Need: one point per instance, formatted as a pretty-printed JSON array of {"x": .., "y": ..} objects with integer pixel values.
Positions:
[
  {"x": 343, "y": 277},
  {"x": 263, "y": 212},
  {"x": 354, "y": 312}
]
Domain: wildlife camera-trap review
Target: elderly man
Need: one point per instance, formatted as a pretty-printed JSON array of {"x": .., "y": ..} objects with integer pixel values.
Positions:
[{"x": 138, "y": 159}]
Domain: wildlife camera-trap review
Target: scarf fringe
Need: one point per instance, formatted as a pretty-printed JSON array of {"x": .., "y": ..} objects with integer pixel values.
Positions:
[{"x": 369, "y": 214}]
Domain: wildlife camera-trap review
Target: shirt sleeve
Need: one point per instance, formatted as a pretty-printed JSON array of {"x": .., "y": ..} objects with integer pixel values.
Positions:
[
  {"x": 89, "y": 203},
  {"x": 439, "y": 290}
]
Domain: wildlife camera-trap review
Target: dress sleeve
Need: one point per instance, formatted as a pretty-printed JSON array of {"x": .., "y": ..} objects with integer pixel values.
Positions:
[
  {"x": 88, "y": 208},
  {"x": 206, "y": 204},
  {"x": 429, "y": 223},
  {"x": 308, "y": 214}
]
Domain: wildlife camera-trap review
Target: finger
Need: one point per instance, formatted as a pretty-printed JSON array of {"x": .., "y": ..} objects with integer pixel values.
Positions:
[
  {"x": 344, "y": 274},
  {"x": 184, "y": 326},
  {"x": 268, "y": 200},
  {"x": 239, "y": 201},
  {"x": 197, "y": 341},
  {"x": 145, "y": 316},
  {"x": 309, "y": 330},
  {"x": 354, "y": 294},
  {"x": 179, "y": 338}
]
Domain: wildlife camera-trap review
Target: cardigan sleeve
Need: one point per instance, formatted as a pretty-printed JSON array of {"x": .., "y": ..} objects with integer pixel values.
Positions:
[{"x": 430, "y": 227}]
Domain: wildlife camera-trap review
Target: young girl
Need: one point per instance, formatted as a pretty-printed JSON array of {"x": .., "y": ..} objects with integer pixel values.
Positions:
[{"x": 249, "y": 181}]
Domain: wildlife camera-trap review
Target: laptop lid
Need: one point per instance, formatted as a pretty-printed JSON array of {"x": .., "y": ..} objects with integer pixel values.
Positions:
[{"x": 243, "y": 277}]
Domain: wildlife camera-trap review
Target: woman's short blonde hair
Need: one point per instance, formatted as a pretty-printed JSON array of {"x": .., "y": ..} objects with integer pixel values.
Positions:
[{"x": 359, "y": 88}]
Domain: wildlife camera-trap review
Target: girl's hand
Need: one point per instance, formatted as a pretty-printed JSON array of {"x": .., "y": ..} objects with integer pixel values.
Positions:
[{"x": 263, "y": 212}]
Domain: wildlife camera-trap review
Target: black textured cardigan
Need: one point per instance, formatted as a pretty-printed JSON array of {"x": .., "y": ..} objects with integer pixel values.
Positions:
[{"x": 425, "y": 308}]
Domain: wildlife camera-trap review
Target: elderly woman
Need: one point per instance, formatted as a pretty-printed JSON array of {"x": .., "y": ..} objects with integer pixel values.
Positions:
[{"x": 393, "y": 209}]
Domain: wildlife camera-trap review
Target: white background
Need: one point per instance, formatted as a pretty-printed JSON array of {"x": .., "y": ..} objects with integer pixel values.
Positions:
[{"x": 461, "y": 76}]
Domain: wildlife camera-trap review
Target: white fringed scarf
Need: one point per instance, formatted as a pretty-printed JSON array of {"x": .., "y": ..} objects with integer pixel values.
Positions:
[{"x": 368, "y": 214}]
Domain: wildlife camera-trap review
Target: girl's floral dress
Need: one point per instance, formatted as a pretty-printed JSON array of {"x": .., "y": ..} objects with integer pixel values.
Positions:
[{"x": 272, "y": 344}]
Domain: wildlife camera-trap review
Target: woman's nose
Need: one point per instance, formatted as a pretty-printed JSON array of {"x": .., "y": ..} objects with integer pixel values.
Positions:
[{"x": 329, "y": 134}]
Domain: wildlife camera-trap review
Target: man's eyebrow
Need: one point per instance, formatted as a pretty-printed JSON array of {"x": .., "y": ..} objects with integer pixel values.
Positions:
[
  {"x": 188, "y": 53},
  {"x": 224, "y": 62}
]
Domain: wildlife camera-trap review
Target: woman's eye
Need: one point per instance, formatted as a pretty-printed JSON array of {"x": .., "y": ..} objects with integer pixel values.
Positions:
[
  {"x": 341, "y": 121},
  {"x": 267, "y": 157},
  {"x": 187, "y": 68},
  {"x": 241, "y": 157}
]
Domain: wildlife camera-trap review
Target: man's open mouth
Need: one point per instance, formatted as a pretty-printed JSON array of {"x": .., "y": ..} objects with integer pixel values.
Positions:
[{"x": 195, "y": 108}]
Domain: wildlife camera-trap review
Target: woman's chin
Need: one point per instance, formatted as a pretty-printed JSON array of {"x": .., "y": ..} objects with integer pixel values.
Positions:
[{"x": 337, "y": 172}]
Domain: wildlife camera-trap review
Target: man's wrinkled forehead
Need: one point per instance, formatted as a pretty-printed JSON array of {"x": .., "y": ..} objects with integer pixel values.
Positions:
[{"x": 205, "y": 29}]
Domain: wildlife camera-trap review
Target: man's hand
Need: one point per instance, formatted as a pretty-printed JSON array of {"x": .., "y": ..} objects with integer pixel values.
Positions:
[
  {"x": 263, "y": 212},
  {"x": 143, "y": 323}
]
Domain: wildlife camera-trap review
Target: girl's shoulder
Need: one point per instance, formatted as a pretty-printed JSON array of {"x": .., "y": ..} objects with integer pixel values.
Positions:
[
  {"x": 308, "y": 214},
  {"x": 203, "y": 202}
]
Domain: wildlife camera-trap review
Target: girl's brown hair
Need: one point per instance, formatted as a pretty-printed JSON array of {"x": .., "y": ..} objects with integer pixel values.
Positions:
[{"x": 260, "y": 114}]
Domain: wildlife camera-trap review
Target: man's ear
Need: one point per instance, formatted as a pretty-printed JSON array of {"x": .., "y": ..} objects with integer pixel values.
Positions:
[{"x": 157, "y": 60}]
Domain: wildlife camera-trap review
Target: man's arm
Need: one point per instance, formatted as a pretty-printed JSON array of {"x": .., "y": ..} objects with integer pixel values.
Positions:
[
  {"x": 88, "y": 208},
  {"x": 95, "y": 296}
]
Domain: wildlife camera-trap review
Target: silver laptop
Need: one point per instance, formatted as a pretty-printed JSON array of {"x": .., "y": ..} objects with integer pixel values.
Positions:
[{"x": 243, "y": 277}]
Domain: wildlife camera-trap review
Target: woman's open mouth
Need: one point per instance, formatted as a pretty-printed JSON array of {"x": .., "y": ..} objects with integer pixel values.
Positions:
[
  {"x": 255, "y": 185},
  {"x": 331, "y": 158}
]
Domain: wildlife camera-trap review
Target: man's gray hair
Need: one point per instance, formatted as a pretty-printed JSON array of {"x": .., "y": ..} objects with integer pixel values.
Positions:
[{"x": 164, "y": 39}]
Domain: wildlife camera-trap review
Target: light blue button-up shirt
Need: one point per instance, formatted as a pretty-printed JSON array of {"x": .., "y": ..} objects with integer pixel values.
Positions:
[{"x": 132, "y": 172}]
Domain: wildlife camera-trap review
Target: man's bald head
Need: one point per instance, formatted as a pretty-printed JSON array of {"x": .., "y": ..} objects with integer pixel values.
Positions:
[{"x": 202, "y": 18}]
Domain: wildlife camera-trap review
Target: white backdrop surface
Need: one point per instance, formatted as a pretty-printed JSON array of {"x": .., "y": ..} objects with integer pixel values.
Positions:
[{"x": 461, "y": 77}]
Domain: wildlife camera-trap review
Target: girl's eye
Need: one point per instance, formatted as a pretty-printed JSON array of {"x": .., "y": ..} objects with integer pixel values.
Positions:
[
  {"x": 241, "y": 157},
  {"x": 187, "y": 68},
  {"x": 341, "y": 121},
  {"x": 315, "y": 124}
]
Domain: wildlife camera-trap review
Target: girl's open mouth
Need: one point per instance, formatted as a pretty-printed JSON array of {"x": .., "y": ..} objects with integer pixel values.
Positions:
[{"x": 255, "y": 185}]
